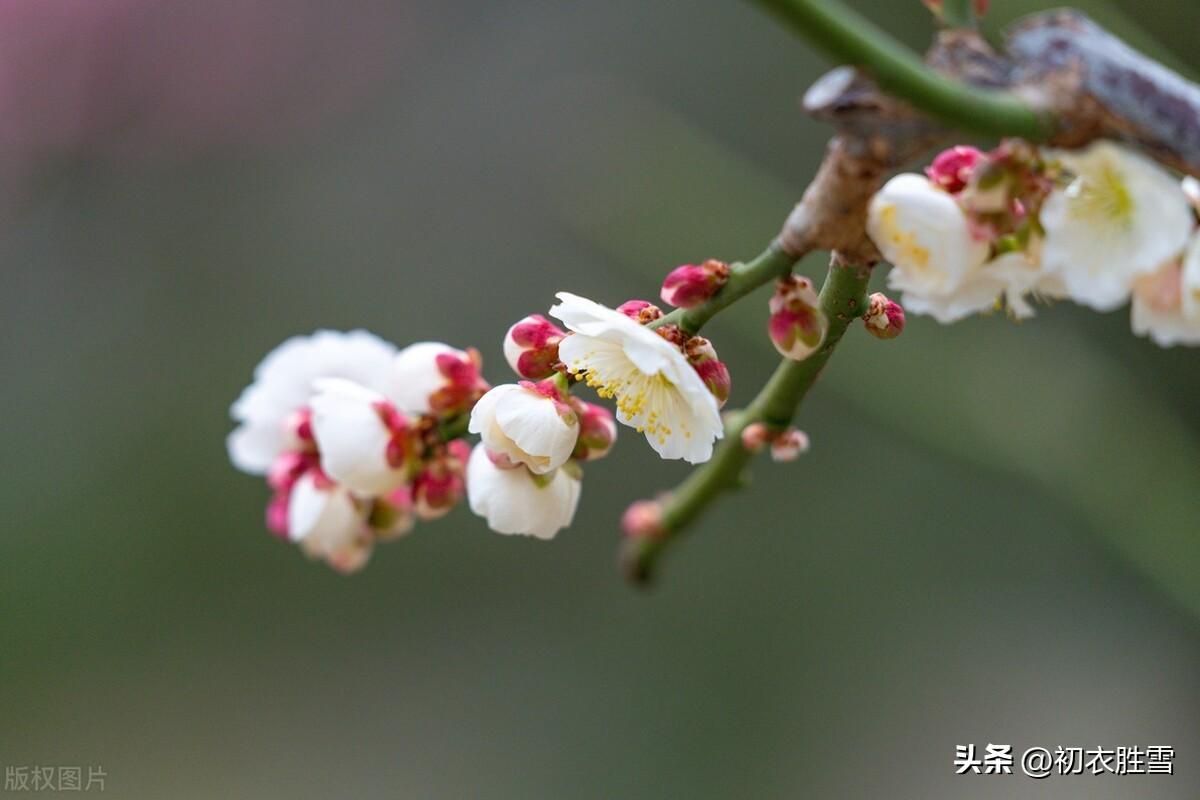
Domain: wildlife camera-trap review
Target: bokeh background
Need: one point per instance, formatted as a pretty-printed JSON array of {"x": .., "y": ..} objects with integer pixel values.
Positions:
[{"x": 996, "y": 536}]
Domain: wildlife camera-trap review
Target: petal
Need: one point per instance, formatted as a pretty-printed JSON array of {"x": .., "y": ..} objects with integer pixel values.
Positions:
[
  {"x": 513, "y": 503},
  {"x": 352, "y": 437},
  {"x": 415, "y": 375}
]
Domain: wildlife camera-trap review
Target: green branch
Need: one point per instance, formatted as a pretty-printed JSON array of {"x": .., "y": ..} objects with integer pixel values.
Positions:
[
  {"x": 842, "y": 301},
  {"x": 772, "y": 263},
  {"x": 850, "y": 38}
]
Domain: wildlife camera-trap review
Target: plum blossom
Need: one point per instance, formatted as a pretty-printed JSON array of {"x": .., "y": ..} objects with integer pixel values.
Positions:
[
  {"x": 884, "y": 318},
  {"x": 515, "y": 501},
  {"x": 597, "y": 431},
  {"x": 366, "y": 444},
  {"x": 936, "y": 260},
  {"x": 270, "y": 412},
  {"x": 527, "y": 424},
  {"x": 329, "y": 523},
  {"x": 1121, "y": 216},
  {"x": 1166, "y": 303},
  {"x": 657, "y": 391}
]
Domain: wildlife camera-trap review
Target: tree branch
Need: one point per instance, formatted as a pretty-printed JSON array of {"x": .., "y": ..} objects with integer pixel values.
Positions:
[
  {"x": 853, "y": 39},
  {"x": 842, "y": 301}
]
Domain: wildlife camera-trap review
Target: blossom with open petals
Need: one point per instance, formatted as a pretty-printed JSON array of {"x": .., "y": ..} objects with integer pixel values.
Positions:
[
  {"x": 657, "y": 391},
  {"x": 267, "y": 411},
  {"x": 529, "y": 424},
  {"x": 924, "y": 233},
  {"x": 515, "y": 501},
  {"x": 1121, "y": 216}
]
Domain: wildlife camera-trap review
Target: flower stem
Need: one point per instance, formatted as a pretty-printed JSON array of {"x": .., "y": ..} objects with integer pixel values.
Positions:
[
  {"x": 851, "y": 38},
  {"x": 842, "y": 301},
  {"x": 743, "y": 278}
]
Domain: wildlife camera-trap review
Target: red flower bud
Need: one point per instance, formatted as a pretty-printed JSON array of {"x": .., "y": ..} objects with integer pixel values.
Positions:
[
  {"x": 692, "y": 284},
  {"x": 531, "y": 347},
  {"x": 952, "y": 169},
  {"x": 884, "y": 318},
  {"x": 640, "y": 311}
]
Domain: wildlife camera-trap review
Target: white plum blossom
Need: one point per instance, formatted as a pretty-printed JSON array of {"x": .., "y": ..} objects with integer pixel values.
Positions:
[
  {"x": 656, "y": 390},
  {"x": 1166, "y": 303},
  {"x": 328, "y": 523},
  {"x": 1121, "y": 216},
  {"x": 526, "y": 424},
  {"x": 361, "y": 437},
  {"x": 515, "y": 501},
  {"x": 936, "y": 259},
  {"x": 283, "y": 386}
]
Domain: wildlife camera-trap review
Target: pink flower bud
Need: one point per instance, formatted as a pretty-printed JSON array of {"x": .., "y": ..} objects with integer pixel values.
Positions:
[
  {"x": 640, "y": 311},
  {"x": 403, "y": 446},
  {"x": 692, "y": 284},
  {"x": 884, "y": 318},
  {"x": 952, "y": 169},
  {"x": 643, "y": 519},
  {"x": 442, "y": 483},
  {"x": 703, "y": 358},
  {"x": 531, "y": 347},
  {"x": 597, "y": 431},
  {"x": 789, "y": 445},
  {"x": 755, "y": 437},
  {"x": 797, "y": 324},
  {"x": 464, "y": 385}
]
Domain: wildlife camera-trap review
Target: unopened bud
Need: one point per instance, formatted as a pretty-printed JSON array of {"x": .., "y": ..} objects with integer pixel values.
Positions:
[
  {"x": 789, "y": 445},
  {"x": 640, "y": 311},
  {"x": 703, "y": 358},
  {"x": 884, "y": 318},
  {"x": 951, "y": 170},
  {"x": 531, "y": 347},
  {"x": 463, "y": 384},
  {"x": 643, "y": 519},
  {"x": 692, "y": 284},
  {"x": 755, "y": 437},
  {"x": 597, "y": 431},
  {"x": 797, "y": 325}
]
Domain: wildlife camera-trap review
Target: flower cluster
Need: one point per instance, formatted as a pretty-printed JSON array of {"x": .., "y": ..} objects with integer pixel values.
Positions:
[
  {"x": 1100, "y": 226},
  {"x": 358, "y": 440}
]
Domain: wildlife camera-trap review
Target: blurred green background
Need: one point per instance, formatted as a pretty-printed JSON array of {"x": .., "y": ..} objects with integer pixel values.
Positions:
[{"x": 995, "y": 538}]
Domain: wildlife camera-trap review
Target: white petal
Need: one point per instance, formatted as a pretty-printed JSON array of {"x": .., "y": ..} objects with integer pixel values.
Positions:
[
  {"x": 283, "y": 384},
  {"x": 352, "y": 437},
  {"x": 1099, "y": 248},
  {"x": 924, "y": 234},
  {"x": 415, "y": 375},
  {"x": 512, "y": 502},
  {"x": 533, "y": 423}
]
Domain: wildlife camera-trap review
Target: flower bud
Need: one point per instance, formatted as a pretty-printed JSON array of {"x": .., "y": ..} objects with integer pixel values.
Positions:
[
  {"x": 797, "y": 324},
  {"x": 703, "y": 358},
  {"x": 639, "y": 311},
  {"x": 951, "y": 170},
  {"x": 434, "y": 378},
  {"x": 441, "y": 484},
  {"x": 531, "y": 347},
  {"x": 597, "y": 431},
  {"x": 755, "y": 437},
  {"x": 789, "y": 445},
  {"x": 884, "y": 318},
  {"x": 277, "y": 514},
  {"x": 692, "y": 284},
  {"x": 643, "y": 519}
]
